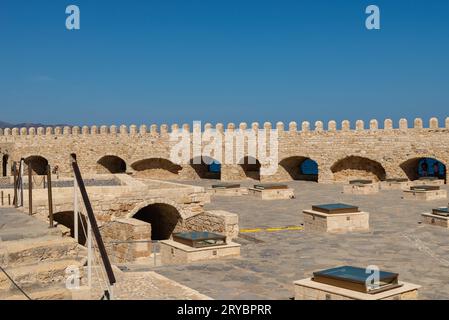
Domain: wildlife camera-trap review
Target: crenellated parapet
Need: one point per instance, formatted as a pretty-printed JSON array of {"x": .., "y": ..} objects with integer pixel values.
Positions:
[
  {"x": 391, "y": 145},
  {"x": 292, "y": 127}
]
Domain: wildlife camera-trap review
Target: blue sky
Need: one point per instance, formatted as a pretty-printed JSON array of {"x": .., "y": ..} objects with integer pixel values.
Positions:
[{"x": 222, "y": 61}]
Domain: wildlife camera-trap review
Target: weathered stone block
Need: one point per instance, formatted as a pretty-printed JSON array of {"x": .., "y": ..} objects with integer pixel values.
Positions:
[
  {"x": 177, "y": 253},
  {"x": 307, "y": 289},
  {"x": 361, "y": 189},
  {"x": 336, "y": 223},
  {"x": 424, "y": 195},
  {"x": 272, "y": 194}
]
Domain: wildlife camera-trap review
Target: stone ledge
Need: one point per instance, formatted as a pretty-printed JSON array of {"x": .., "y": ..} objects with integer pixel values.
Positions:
[
  {"x": 228, "y": 217},
  {"x": 408, "y": 291},
  {"x": 272, "y": 194},
  {"x": 336, "y": 223},
  {"x": 424, "y": 195},
  {"x": 435, "y": 220},
  {"x": 364, "y": 189},
  {"x": 177, "y": 253}
]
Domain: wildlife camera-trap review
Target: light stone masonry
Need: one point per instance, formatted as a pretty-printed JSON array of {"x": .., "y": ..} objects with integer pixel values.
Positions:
[
  {"x": 424, "y": 195},
  {"x": 315, "y": 221},
  {"x": 369, "y": 153},
  {"x": 361, "y": 189},
  {"x": 307, "y": 289},
  {"x": 272, "y": 194},
  {"x": 435, "y": 220},
  {"x": 173, "y": 252}
]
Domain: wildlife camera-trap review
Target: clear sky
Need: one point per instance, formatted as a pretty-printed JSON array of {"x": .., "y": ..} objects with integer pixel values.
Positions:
[{"x": 173, "y": 61}]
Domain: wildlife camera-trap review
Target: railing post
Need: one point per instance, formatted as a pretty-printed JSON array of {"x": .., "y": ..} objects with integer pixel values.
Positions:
[
  {"x": 75, "y": 209},
  {"x": 30, "y": 190},
  {"x": 50, "y": 197},
  {"x": 111, "y": 292},
  {"x": 93, "y": 223},
  {"x": 89, "y": 254},
  {"x": 21, "y": 181},
  {"x": 75, "y": 206},
  {"x": 15, "y": 200}
]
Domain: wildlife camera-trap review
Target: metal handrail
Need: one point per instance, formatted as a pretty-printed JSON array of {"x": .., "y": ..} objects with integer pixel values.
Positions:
[
  {"x": 93, "y": 222},
  {"x": 83, "y": 228},
  {"x": 15, "y": 284}
]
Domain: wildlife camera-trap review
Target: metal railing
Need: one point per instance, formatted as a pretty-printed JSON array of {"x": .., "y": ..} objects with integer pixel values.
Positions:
[
  {"x": 92, "y": 230},
  {"x": 18, "y": 184}
]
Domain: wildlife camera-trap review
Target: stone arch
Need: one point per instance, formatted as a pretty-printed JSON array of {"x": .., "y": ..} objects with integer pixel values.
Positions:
[
  {"x": 165, "y": 219},
  {"x": 413, "y": 168},
  {"x": 251, "y": 167},
  {"x": 204, "y": 170},
  {"x": 65, "y": 218},
  {"x": 146, "y": 203},
  {"x": 299, "y": 168},
  {"x": 5, "y": 159},
  {"x": 111, "y": 164},
  {"x": 355, "y": 167},
  {"x": 38, "y": 164},
  {"x": 157, "y": 168}
]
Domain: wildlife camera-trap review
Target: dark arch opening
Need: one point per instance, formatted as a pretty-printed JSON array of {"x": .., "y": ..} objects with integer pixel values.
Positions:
[
  {"x": 300, "y": 168},
  {"x": 251, "y": 167},
  {"x": 208, "y": 168},
  {"x": 5, "y": 165},
  {"x": 163, "y": 219},
  {"x": 156, "y": 168},
  {"x": 112, "y": 164},
  {"x": 38, "y": 164},
  {"x": 65, "y": 218},
  {"x": 424, "y": 167},
  {"x": 354, "y": 167}
]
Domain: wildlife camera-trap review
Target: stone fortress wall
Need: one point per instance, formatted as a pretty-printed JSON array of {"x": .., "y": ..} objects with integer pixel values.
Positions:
[{"x": 349, "y": 151}]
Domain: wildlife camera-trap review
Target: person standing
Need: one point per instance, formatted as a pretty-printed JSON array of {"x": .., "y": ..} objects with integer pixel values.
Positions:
[
  {"x": 424, "y": 168},
  {"x": 436, "y": 169}
]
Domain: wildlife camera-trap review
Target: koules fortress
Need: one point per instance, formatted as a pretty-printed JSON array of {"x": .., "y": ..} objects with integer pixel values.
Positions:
[
  {"x": 350, "y": 151},
  {"x": 151, "y": 212}
]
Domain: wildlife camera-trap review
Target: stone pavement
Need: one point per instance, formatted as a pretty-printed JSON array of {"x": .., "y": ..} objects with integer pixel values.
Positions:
[
  {"x": 145, "y": 285},
  {"x": 16, "y": 225},
  {"x": 271, "y": 261}
]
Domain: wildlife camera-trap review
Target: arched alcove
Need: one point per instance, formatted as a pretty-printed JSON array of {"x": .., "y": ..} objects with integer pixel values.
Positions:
[
  {"x": 157, "y": 168},
  {"x": 424, "y": 167},
  {"x": 163, "y": 218},
  {"x": 112, "y": 164},
  {"x": 206, "y": 168},
  {"x": 251, "y": 167},
  {"x": 300, "y": 168},
  {"x": 38, "y": 164},
  {"x": 355, "y": 167},
  {"x": 66, "y": 219}
]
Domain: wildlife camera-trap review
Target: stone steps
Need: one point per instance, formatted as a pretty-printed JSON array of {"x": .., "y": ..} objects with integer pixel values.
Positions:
[
  {"x": 36, "y": 258},
  {"x": 33, "y": 251},
  {"x": 56, "y": 293},
  {"x": 37, "y": 276}
]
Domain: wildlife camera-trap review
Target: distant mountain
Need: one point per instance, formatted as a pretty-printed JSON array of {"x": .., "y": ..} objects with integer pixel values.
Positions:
[
  {"x": 4, "y": 124},
  {"x": 28, "y": 125}
]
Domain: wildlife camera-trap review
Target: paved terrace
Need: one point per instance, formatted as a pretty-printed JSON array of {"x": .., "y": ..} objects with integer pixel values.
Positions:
[{"x": 273, "y": 260}]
